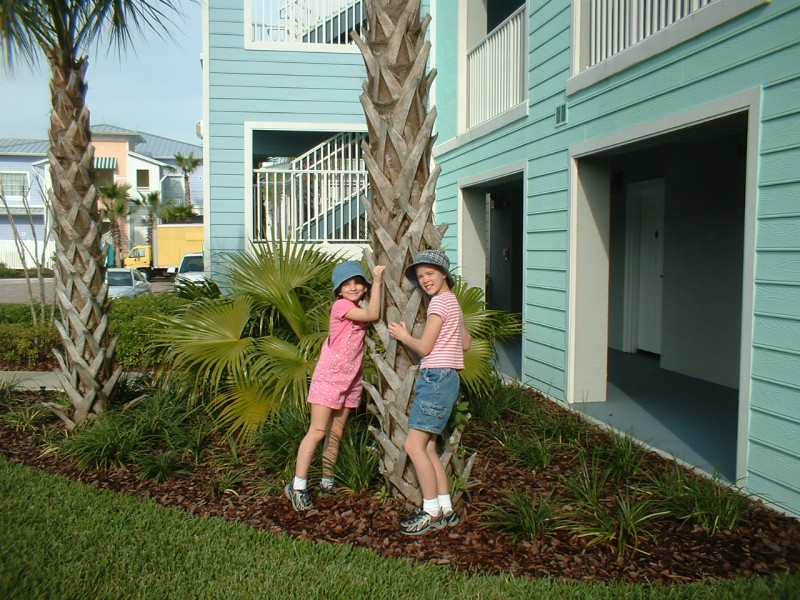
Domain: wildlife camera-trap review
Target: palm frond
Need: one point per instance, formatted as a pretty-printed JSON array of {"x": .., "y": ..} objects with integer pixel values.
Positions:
[
  {"x": 288, "y": 366},
  {"x": 482, "y": 322},
  {"x": 246, "y": 405},
  {"x": 207, "y": 339},
  {"x": 479, "y": 374},
  {"x": 287, "y": 279}
]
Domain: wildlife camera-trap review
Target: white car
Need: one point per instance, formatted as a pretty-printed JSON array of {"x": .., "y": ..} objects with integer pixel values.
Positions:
[
  {"x": 127, "y": 283},
  {"x": 190, "y": 271}
]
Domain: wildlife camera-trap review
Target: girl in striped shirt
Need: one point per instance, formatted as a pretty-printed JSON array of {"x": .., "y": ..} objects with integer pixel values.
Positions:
[{"x": 442, "y": 345}]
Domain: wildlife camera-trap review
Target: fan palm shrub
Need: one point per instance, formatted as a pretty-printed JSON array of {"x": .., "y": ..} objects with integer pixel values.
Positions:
[{"x": 253, "y": 348}]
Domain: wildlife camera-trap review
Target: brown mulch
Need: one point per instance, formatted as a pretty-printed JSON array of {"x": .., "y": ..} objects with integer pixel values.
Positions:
[{"x": 768, "y": 544}]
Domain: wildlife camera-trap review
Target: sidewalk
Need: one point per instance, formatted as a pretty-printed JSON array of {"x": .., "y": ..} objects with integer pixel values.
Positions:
[{"x": 32, "y": 380}]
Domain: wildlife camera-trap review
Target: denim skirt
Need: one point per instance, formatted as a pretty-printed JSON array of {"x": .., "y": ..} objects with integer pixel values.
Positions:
[{"x": 435, "y": 395}]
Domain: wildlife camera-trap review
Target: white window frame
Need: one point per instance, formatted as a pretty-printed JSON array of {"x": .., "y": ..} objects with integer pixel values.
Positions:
[{"x": 15, "y": 198}]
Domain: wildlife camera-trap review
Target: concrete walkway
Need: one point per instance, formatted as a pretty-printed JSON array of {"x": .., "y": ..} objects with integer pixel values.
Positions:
[{"x": 32, "y": 380}]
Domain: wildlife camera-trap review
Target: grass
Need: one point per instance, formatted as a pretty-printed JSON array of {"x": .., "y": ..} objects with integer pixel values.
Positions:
[{"x": 66, "y": 540}]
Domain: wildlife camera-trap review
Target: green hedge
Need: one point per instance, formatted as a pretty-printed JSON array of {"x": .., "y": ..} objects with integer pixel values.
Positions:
[
  {"x": 25, "y": 347},
  {"x": 18, "y": 313},
  {"x": 134, "y": 319}
]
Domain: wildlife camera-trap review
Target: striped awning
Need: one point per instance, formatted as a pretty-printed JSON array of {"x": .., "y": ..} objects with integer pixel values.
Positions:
[{"x": 105, "y": 162}]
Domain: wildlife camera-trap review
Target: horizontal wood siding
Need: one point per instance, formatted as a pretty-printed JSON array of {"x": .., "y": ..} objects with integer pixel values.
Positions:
[
  {"x": 264, "y": 86},
  {"x": 758, "y": 50}
]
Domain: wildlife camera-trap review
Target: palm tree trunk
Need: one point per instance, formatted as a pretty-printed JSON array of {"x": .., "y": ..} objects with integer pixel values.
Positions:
[
  {"x": 398, "y": 156},
  {"x": 86, "y": 366}
]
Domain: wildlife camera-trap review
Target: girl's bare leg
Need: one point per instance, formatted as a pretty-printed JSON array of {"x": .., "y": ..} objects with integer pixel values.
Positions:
[
  {"x": 321, "y": 417},
  {"x": 416, "y": 447},
  {"x": 442, "y": 484},
  {"x": 330, "y": 451}
]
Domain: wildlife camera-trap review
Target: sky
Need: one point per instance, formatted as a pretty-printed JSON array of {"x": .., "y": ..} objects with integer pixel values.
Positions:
[{"x": 154, "y": 87}]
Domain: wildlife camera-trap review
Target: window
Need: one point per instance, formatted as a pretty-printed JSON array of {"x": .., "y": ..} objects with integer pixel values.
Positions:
[
  {"x": 142, "y": 179},
  {"x": 14, "y": 185}
]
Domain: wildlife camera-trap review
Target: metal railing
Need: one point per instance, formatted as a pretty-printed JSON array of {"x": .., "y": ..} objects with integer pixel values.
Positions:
[
  {"x": 305, "y": 21},
  {"x": 615, "y": 25},
  {"x": 496, "y": 70},
  {"x": 315, "y": 197},
  {"x": 312, "y": 205}
]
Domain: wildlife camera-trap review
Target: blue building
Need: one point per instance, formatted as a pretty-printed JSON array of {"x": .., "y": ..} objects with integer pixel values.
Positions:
[{"x": 623, "y": 174}]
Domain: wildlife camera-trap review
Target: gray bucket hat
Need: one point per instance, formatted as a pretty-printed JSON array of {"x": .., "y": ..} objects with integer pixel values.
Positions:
[
  {"x": 347, "y": 270},
  {"x": 434, "y": 257}
]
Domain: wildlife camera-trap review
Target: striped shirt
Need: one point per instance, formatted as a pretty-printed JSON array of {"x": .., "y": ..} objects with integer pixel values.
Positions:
[{"x": 448, "y": 350}]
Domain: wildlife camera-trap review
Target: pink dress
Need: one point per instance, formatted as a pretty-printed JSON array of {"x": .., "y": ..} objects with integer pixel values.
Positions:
[{"x": 337, "y": 378}]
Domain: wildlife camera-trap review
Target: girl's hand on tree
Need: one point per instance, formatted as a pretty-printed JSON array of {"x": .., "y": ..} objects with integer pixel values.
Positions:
[
  {"x": 398, "y": 331},
  {"x": 377, "y": 272}
]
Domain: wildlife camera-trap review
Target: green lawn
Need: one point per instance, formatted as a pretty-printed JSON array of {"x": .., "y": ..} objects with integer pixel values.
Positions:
[{"x": 60, "y": 539}]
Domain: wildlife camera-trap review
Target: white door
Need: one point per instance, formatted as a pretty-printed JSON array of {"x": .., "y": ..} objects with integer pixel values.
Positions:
[{"x": 651, "y": 266}]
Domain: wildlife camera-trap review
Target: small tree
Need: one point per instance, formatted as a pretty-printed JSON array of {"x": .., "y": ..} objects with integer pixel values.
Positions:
[
  {"x": 151, "y": 202},
  {"x": 115, "y": 199},
  {"x": 187, "y": 164},
  {"x": 42, "y": 311}
]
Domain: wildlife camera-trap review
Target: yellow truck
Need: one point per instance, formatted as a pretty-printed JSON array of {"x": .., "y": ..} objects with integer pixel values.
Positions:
[{"x": 172, "y": 242}]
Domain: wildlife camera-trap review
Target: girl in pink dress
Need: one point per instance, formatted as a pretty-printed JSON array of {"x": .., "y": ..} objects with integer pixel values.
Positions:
[{"x": 336, "y": 385}]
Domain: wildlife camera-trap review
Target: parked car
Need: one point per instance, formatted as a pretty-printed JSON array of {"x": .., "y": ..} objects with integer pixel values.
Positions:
[
  {"x": 190, "y": 271},
  {"x": 127, "y": 283}
]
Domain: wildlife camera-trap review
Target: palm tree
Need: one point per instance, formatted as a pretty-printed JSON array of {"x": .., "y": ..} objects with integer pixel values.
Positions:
[
  {"x": 398, "y": 156},
  {"x": 187, "y": 164},
  {"x": 115, "y": 199},
  {"x": 62, "y": 31},
  {"x": 151, "y": 202}
]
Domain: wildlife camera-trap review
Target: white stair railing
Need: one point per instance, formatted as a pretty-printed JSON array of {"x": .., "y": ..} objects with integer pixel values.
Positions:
[
  {"x": 305, "y": 21},
  {"x": 315, "y": 197},
  {"x": 496, "y": 70},
  {"x": 615, "y": 25}
]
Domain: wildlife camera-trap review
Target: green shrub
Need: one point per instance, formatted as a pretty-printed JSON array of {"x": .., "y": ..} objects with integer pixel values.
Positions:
[
  {"x": 28, "y": 346},
  {"x": 135, "y": 320},
  {"x": 18, "y": 313},
  {"x": 110, "y": 441}
]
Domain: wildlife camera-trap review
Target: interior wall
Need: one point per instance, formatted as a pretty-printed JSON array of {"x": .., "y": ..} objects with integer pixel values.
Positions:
[{"x": 704, "y": 244}]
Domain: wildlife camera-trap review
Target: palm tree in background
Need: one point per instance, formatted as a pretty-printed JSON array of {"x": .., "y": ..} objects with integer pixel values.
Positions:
[
  {"x": 187, "y": 164},
  {"x": 62, "y": 31},
  {"x": 151, "y": 202},
  {"x": 115, "y": 199}
]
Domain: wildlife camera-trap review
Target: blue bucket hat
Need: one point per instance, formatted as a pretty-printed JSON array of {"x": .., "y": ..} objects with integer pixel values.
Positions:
[
  {"x": 347, "y": 270},
  {"x": 434, "y": 257}
]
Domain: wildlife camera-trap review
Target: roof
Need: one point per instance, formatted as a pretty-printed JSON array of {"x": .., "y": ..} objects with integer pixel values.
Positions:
[
  {"x": 165, "y": 148},
  {"x": 145, "y": 144},
  {"x": 28, "y": 147}
]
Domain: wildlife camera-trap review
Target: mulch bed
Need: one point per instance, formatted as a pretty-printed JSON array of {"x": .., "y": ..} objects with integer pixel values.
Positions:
[{"x": 768, "y": 544}]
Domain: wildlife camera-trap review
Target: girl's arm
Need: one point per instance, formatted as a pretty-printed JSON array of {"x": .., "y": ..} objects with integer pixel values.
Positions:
[
  {"x": 373, "y": 310},
  {"x": 421, "y": 346},
  {"x": 466, "y": 339}
]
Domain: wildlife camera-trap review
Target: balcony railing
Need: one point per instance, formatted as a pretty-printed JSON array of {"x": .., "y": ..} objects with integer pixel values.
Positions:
[
  {"x": 618, "y": 24},
  {"x": 311, "y": 205},
  {"x": 496, "y": 70},
  {"x": 305, "y": 21}
]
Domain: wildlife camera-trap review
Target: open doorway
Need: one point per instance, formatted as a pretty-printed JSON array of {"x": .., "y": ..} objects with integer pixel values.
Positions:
[
  {"x": 660, "y": 274},
  {"x": 492, "y": 253}
]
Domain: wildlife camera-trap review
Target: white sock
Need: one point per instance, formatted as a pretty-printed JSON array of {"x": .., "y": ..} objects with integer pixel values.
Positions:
[
  {"x": 326, "y": 482},
  {"x": 431, "y": 506},
  {"x": 445, "y": 503},
  {"x": 300, "y": 483}
]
